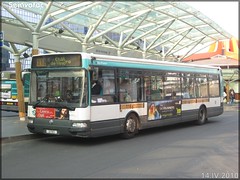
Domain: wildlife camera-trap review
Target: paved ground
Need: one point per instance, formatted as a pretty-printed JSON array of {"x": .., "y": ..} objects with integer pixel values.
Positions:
[{"x": 14, "y": 129}]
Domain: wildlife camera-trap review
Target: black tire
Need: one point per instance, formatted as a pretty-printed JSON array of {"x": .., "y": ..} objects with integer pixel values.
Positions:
[
  {"x": 202, "y": 116},
  {"x": 130, "y": 126}
]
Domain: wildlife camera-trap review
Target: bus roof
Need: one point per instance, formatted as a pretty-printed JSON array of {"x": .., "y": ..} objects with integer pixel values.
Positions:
[
  {"x": 132, "y": 60},
  {"x": 148, "y": 61}
]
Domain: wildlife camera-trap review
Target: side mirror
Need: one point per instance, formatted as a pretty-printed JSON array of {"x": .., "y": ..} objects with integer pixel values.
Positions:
[{"x": 25, "y": 76}]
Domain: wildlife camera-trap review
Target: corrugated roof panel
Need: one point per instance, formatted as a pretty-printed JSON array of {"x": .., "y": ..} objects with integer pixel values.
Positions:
[{"x": 134, "y": 20}]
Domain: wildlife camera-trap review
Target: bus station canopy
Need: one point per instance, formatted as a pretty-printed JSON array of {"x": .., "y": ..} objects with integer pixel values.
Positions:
[{"x": 162, "y": 30}]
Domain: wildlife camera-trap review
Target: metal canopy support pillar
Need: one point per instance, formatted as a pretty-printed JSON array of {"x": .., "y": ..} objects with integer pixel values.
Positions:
[
  {"x": 144, "y": 48},
  {"x": 163, "y": 52},
  {"x": 20, "y": 92},
  {"x": 119, "y": 52},
  {"x": 227, "y": 90},
  {"x": 44, "y": 15},
  {"x": 20, "y": 96},
  {"x": 35, "y": 43},
  {"x": 84, "y": 47}
]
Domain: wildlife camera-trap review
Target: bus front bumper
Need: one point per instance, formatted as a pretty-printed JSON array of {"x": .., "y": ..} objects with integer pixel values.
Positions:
[{"x": 59, "y": 127}]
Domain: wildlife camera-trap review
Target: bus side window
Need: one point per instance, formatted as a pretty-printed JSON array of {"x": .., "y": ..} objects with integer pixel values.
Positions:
[
  {"x": 96, "y": 86},
  {"x": 103, "y": 85}
]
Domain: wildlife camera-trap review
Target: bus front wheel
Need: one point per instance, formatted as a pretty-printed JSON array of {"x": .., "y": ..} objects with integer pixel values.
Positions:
[
  {"x": 130, "y": 126},
  {"x": 202, "y": 115}
]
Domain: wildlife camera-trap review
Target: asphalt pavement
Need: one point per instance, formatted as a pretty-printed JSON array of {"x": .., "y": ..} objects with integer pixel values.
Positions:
[{"x": 13, "y": 129}]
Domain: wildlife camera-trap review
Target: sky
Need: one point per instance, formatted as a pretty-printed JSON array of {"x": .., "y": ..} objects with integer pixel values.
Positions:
[{"x": 223, "y": 13}]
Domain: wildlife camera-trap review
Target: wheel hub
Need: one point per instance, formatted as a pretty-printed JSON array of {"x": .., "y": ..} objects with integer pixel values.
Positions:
[{"x": 130, "y": 126}]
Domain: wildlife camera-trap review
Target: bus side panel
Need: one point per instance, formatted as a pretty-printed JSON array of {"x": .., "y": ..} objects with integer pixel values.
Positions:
[
  {"x": 215, "y": 107},
  {"x": 189, "y": 110},
  {"x": 104, "y": 120},
  {"x": 190, "y": 115},
  {"x": 104, "y": 112},
  {"x": 109, "y": 119},
  {"x": 162, "y": 122},
  {"x": 215, "y": 111},
  {"x": 80, "y": 114},
  {"x": 104, "y": 128}
]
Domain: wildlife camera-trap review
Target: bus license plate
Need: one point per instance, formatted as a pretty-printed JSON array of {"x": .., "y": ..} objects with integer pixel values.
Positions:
[{"x": 48, "y": 131}]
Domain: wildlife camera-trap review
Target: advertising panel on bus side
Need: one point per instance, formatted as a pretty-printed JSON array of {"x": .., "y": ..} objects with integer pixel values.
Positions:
[{"x": 164, "y": 109}]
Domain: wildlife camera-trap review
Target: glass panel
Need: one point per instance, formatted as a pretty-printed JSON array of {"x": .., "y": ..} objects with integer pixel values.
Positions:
[
  {"x": 172, "y": 87},
  {"x": 103, "y": 85},
  {"x": 61, "y": 87},
  {"x": 108, "y": 82},
  {"x": 214, "y": 89},
  {"x": 157, "y": 88},
  {"x": 130, "y": 86},
  {"x": 202, "y": 87},
  {"x": 188, "y": 86}
]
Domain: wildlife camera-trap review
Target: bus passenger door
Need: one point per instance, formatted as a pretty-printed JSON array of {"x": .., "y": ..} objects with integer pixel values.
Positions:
[{"x": 104, "y": 105}]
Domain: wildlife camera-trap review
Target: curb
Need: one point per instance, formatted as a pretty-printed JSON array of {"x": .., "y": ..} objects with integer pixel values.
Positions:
[
  {"x": 231, "y": 107},
  {"x": 12, "y": 139}
]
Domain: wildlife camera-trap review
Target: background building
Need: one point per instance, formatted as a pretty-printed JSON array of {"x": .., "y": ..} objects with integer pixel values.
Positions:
[{"x": 224, "y": 54}]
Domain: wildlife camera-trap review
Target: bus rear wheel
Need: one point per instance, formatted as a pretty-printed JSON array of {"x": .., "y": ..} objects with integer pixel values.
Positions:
[
  {"x": 130, "y": 126},
  {"x": 202, "y": 116}
]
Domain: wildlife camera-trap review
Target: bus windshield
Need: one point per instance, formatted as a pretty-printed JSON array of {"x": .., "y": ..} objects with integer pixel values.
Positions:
[{"x": 59, "y": 88}]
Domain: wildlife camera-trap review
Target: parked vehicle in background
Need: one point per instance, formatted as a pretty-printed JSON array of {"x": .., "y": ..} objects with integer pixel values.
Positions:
[{"x": 9, "y": 101}]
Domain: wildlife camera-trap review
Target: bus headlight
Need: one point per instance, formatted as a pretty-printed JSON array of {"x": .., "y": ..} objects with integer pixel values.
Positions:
[
  {"x": 30, "y": 121},
  {"x": 79, "y": 125}
]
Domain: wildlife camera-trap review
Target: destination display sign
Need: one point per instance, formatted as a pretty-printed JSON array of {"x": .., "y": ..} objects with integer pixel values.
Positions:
[{"x": 57, "y": 60}]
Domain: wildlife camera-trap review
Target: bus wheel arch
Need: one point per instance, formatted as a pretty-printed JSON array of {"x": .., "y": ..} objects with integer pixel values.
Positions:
[
  {"x": 131, "y": 125},
  {"x": 202, "y": 115}
]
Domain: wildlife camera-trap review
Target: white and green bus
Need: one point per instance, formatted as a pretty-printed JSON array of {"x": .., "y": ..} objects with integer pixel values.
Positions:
[{"x": 90, "y": 95}]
